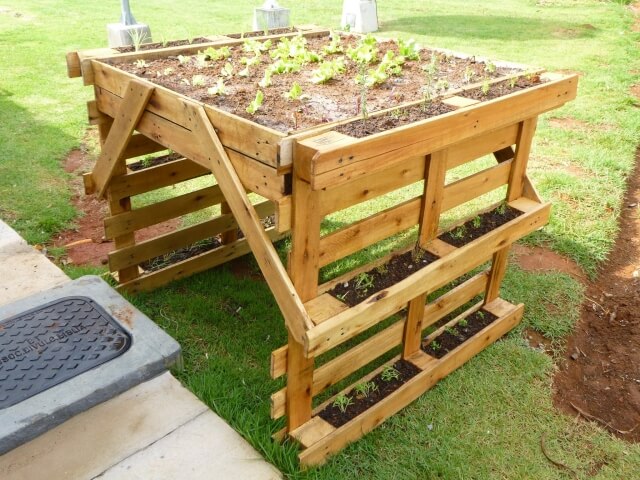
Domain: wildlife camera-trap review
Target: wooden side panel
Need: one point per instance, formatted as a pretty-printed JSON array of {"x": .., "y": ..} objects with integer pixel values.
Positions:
[{"x": 432, "y": 199}]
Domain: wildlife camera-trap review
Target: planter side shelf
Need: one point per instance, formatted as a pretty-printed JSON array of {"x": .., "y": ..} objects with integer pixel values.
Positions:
[{"x": 302, "y": 177}]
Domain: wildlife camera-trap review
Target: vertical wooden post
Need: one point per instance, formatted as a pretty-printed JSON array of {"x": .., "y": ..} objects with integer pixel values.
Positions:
[
  {"x": 413, "y": 326},
  {"x": 435, "y": 170},
  {"x": 229, "y": 236},
  {"x": 498, "y": 269},
  {"x": 303, "y": 270},
  {"x": 523, "y": 149}
]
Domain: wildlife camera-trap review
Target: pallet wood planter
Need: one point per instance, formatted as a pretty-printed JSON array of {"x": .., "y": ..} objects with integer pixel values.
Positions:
[{"x": 305, "y": 175}]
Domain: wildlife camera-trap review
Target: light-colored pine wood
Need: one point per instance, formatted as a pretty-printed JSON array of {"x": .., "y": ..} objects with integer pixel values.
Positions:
[
  {"x": 298, "y": 396},
  {"x": 312, "y": 431},
  {"x": 357, "y": 319},
  {"x": 190, "y": 266},
  {"x": 413, "y": 326},
  {"x": 523, "y": 149},
  {"x": 334, "y": 441},
  {"x": 156, "y": 177},
  {"x": 421, "y": 360},
  {"x": 459, "y": 102},
  {"x": 284, "y": 212},
  {"x": 433, "y": 196},
  {"x": 172, "y": 241},
  {"x": 278, "y": 365},
  {"x": 255, "y": 176},
  {"x": 323, "y": 307},
  {"x": 162, "y": 211},
  {"x": 496, "y": 275},
  {"x": 229, "y": 235},
  {"x": 288, "y": 300},
  {"x": 135, "y": 100},
  {"x": 475, "y": 185}
]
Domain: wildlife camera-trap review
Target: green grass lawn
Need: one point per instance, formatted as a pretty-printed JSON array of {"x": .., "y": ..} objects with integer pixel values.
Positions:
[{"x": 485, "y": 420}]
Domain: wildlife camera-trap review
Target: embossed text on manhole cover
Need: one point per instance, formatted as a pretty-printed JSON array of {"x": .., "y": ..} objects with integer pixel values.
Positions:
[{"x": 48, "y": 345}]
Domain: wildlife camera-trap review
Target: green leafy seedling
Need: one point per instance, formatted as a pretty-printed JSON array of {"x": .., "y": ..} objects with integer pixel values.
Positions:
[
  {"x": 435, "y": 346},
  {"x": 463, "y": 322},
  {"x": 256, "y": 103},
  {"x": 364, "y": 281},
  {"x": 365, "y": 389},
  {"x": 476, "y": 222},
  {"x": 490, "y": 67},
  {"x": 512, "y": 82},
  {"x": 218, "y": 89},
  {"x": 184, "y": 59},
  {"x": 452, "y": 331},
  {"x": 382, "y": 269},
  {"x": 389, "y": 373},
  {"x": 459, "y": 232},
  {"x": 485, "y": 88},
  {"x": 294, "y": 93},
  {"x": 502, "y": 209},
  {"x": 141, "y": 63},
  {"x": 342, "y": 402},
  {"x": 481, "y": 314}
]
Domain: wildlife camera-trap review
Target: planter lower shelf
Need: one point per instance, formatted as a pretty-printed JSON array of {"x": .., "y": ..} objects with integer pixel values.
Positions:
[{"x": 319, "y": 439}]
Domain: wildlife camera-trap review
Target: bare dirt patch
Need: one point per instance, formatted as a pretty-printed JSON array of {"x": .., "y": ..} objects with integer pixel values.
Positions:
[
  {"x": 635, "y": 91},
  {"x": 599, "y": 377},
  {"x": 539, "y": 259},
  {"x": 85, "y": 244}
]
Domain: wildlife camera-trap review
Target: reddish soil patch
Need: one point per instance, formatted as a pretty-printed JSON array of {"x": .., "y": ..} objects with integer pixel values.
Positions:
[
  {"x": 86, "y": 245},
  {"x": 635, "y": 91},
  {"x": 599, "y": 377},
  {"x": 539, "y": 259}
]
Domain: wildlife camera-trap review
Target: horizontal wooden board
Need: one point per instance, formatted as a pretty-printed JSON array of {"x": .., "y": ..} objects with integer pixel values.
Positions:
[
  {"x": 383, "y": 304},
  {"x": 335, "y": 440},
  {"x": 191, "y": 266},
  {"x": 169, "y": 242},
  {"x": 162, "y": 211},
  {"x": 255, "y": 176}
]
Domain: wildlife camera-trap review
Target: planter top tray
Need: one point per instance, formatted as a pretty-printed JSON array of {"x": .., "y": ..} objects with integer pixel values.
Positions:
[{"x": 403, "y": 88}]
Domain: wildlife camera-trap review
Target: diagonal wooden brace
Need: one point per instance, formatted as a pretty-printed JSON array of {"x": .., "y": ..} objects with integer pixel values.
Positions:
[
  {"x": 134, "y": 102},
  {"x": 296, "y": 317}
]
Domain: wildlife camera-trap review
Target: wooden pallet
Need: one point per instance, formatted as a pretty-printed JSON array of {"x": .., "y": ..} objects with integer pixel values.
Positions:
[{"x": 303, "y": 177}]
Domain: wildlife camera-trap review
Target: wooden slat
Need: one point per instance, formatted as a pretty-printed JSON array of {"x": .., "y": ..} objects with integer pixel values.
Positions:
[
  {"x": 140, "y": 145},
  {"x": 498, "y": 270},
  {"x": 231, "y": 235},
  {"x": 135, "y": 99},
  {"x": 436, "y": 133},
  {"x": 475, "y": 185},
  {"x": 162, "y": 211},
  {"x": 374, "y": 416},
  {"x": 255, "y": 176},
  {"x": 324, "y": 307},
  {"x": 344, "y": 365},
  {"x": 365, "y": 188},
  {"x": 312, "y": 431},
  {"x": 191, "y": 266},
  {"x": 291, "y": 306},
  {"x": 357, "y": 319},
  {"x": 422, "y": 360},
  {"x": 156, "y": 177},
  {"x": 523, "y": 148},
  {"x": 459, "y": 102},
  {"x": 169, "y": 242},
  {"x": 478, "y": 147},
  {"x": 369, "y": 230},
  {"x": 284, "y": 212},
  {"x": 278, "y": 365},
  {"x": 413, "y": 326},
  {"x": 432, "y": 198},
  {"x": 235, "y": 132}
]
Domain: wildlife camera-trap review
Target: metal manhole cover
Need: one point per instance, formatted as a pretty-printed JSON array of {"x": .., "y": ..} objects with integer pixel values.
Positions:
[{"x": 50, "y": 344}]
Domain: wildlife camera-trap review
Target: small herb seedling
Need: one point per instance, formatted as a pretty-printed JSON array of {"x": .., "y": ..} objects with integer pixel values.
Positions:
[
  {"x": 463, "y": 322},
  {"x": 459, "y": 232},
  {"x": 138, "y": 37},
  {"x": 266, "y": 80},
  {"x": 341, "y": 297},
  {"x": 452, "y": 331},
  {"x": 227, "y": 70},
  {"x": 198, "y": 81},
  {"x": 382, "y": 269},
  {"x": 502, "y": 209},
  {"x": 364, "y": 281},
  {"x": 365, "y": 389},
  {"x": 294, "y": 93},
  {"x": 485, "y": 88},
  {"x": 490, "y": 67},
  {"x": 417, "y": 254},
  {"x": 218, "y": 89},
  {"x": 468, "y": 74},
  {"x": 481, "y": 314},
  {"x": 256, "y": 103},
  {"x": 435, "y": 345},
  {"x": 342, "y": 402},
  {"x": 476, "y": 222},
  {"x": 141, "y": 63},
  {"x": 389, "y": 373},
  {"x": 184, "y": 59}
]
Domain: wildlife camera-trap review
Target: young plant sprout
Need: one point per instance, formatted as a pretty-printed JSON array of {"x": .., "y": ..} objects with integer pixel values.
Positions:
[
  {"x": 342, "y": 402},
  {"x": 201, "y": 60},
  {"x": 294, "y": 93},
  {"x": 139, "y": 37},
  {"x": 476, "y": 222},
  {"x": 266, "y": 80},
  {"x": 335, "y": 46},
  {"x": 452, "y": 331},
  {"x": 463, "y": 322},
  {"x": 198, "y": 81},
  {"x": 481, "y": 314},
  {"x": 141, "y": 63},
  {"x": 468, "y": 74},
  {"x": 485, "y": 87},
  {"x": 364, "y": 281},
  {"x": 435, "y": 345},
  {"x": 490, "y": 67},
  {"x": 409, "y": 49},
  {"x": 218, "y": 89},
  {"x": 512, "y": 82},
  {"x": 365, "y": 389},
  {"x": 382, "y": 269},
  {"x": 227, "y": 70},
  {"x": 417, "y": 254},
  {"x": 256, "y": 103},
  {"x": 502, "y": 209},
  {"x": 389, "y": 373},
  {"x": 459, "y": 232},
  {"x": 184, "y": 59}
]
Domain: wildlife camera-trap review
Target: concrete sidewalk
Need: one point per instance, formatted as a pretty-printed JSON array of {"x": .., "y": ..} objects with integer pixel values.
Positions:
[{"x": 156, "y": 430}]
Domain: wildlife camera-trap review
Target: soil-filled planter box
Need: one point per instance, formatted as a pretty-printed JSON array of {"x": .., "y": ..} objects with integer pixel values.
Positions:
[{"x": 316, "y": 122}]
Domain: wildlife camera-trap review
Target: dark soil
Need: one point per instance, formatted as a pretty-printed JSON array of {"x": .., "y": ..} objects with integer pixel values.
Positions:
[
  {"x": 377, "y": 279},
  {"x": 500, "y": 89},
  {"x": 152, "y": 162},
  {"x": 457, "y": 335},
  {"x": 397, "y": 118},
  {"x": 480, "y": 225},
  {"x": 600, "y": 372},
  {"x": 171, "y": 43},
  {"x": 337, "y": 99},
  {"x": 337, "y": 418}
]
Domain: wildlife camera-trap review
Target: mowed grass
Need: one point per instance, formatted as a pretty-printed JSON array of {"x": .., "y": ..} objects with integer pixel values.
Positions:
[{"x": 487, "y": 419}]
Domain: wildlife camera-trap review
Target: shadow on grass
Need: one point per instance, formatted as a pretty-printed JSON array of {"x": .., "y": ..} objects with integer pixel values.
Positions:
[
  {"x": 30, "y": 162},
  {"x": 489, "y": 27}
]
